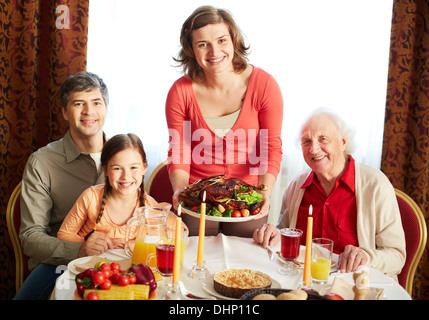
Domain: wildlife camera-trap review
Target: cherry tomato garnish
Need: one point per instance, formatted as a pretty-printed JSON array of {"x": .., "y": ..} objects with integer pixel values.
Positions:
[
  {"x": 115, "y": 277},
  {"x": 107, "y": 273},
  {"x": 106, "y": 285},
  {"x": 98, "y": 277},
  {"x": 105, "y": 266},
  {"x": 133, "y": 278},
  {"x": 92, "y": 296},
  {"x": 124, "y": 281},
  {"x": 255, "y": 212},
  {"x": 236, "y": 214},
  {"x": 114, "y": 266}
]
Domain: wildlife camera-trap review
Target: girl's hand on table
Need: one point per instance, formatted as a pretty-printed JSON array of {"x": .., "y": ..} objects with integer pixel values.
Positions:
[
  {"x": 95, "y": 245},
  {"x": 118, "y": 243}
]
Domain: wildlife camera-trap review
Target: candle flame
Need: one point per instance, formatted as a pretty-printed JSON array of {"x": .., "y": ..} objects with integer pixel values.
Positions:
[
  {"x": 179, "y": 210},
  {"x": 310, "y": 210},
  {"x": 204, "y": 196}
]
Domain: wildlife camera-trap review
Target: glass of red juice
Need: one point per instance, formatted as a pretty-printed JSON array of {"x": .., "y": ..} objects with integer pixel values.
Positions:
[
  {"x": 165, "y": 262},
  {"x": 165, "y": 257},
  {"x": 289, "y": 249}
]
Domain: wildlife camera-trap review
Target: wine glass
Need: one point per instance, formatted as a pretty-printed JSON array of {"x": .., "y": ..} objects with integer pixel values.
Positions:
[
  {"x": 289, "y": 249},
  {"x": 165, "y": 261}
]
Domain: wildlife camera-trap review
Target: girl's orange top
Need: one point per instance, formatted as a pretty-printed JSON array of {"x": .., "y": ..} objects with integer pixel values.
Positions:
[{"x": 81, "y": 218}]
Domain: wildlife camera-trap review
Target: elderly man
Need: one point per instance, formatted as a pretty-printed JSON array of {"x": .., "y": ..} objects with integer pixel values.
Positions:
[
  {"x": 55, "y": 176},
  {"x": 353, "y": 204}
]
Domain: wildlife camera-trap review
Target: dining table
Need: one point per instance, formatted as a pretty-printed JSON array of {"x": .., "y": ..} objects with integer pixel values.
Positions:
[{"x": 224, "y": 252}]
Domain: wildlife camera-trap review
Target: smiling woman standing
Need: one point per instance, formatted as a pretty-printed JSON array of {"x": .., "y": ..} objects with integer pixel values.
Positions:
[{"x": 224, "y": 115}]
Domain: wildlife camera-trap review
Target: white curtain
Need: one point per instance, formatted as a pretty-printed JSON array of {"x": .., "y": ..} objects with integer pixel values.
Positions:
[{"x": 323, "y": 53}]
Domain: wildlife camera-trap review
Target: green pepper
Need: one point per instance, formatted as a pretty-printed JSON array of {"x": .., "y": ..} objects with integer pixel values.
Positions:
[{"x": 227, "y": 213}]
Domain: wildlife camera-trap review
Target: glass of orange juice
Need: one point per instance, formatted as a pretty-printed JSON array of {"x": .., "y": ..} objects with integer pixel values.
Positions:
[{"x": 321, "y": 257}]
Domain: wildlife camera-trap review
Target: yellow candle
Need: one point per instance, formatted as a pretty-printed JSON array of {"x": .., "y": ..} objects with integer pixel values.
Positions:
[
  {"x": 201, "y": 235},
  {"x": 177, "y": 246},
  {"x": 307, "y": 261}
]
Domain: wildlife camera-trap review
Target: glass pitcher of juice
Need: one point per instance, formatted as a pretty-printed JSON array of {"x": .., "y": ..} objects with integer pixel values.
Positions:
[{"x": 143, "y": 231}]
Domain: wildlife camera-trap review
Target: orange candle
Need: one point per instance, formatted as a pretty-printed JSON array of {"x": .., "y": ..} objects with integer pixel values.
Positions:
[
  {"x": 307, "y": 261},
  {"x": 201, "y": 235},
  {"x": 177, "y": 246}
]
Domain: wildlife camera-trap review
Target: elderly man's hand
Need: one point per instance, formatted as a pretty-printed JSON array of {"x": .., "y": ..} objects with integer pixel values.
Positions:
[
  {"x": 351, "y": 258},
  {"x": 266, "y": 235}
]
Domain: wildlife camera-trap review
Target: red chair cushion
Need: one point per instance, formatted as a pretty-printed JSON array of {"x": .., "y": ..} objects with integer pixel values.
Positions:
[
  {"x": 412, "y": 236},
  {"x": 161, "y": 189}
]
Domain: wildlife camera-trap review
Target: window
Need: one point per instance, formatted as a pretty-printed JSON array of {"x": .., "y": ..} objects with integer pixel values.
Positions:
[{"x": 331, "y": 53}]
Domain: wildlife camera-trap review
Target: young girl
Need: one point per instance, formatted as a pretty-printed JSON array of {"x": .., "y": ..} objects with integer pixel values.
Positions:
[{"x": 106, "y": 208}]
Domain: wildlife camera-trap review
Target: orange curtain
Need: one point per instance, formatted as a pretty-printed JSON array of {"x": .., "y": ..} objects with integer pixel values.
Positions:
[
  {"x": 405, "y": 156},
  {"x": 41, "y": 43}
]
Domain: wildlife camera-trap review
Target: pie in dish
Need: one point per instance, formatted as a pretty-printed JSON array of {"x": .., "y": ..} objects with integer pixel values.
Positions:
[{"x": 234, "y": 283}]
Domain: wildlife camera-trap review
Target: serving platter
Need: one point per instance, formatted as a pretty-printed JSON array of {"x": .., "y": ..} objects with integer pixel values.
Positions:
[
  {"x": 220, "y": 219},
  {"x": 80, "y": 264}
]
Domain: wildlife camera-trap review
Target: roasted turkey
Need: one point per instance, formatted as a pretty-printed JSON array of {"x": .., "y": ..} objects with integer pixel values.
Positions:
[{"x": 220, "y": 190}]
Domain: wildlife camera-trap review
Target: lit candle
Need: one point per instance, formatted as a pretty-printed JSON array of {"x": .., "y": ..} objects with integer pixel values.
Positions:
[
  {"x": 201, "y": 235},
  {"x": 177, "y": 246},
  {"x": 307, "y": 261}
]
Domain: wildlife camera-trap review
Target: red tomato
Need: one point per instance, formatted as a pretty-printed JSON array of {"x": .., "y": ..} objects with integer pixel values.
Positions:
[
  {"x": 114, "y": 266},
  {"x": 194, "y": 208},
  {"x": 255, "y": 212},
  {"x": 133, "y": 278},
  {"x": 92, "y": 296},
  {"x": 105, "y": 266},
  {"x": 106, "y": 285},
  {"x": 115, "y": 277},
  {"x": 98, "y": 277},
  {"x": 124, "y": 281},
  {"x": 236, "y": 214},
  {"x": 107, "y": 273}
]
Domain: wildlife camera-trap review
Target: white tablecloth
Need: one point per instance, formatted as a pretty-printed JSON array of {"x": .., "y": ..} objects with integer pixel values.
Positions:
[{"x": 223, "y": 252}]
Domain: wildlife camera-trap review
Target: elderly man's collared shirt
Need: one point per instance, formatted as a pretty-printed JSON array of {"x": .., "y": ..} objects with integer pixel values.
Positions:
[
  {"x": 335, "y": 215},
  {"x": 54, "y": 177}
]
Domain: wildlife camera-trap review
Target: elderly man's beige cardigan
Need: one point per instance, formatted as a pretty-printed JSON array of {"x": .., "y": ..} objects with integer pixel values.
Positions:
[{"x": 379, "y": 226}]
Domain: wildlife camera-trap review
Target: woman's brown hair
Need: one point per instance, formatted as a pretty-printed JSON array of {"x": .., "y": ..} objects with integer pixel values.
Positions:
[{"x": 201, "y": 17}]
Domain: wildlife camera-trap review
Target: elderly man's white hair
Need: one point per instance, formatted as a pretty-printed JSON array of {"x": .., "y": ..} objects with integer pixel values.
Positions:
[{"x": 342, "y": 127}]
